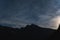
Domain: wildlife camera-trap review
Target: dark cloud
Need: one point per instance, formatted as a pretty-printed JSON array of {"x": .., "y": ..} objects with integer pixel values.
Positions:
[{"x": 22, "y": 12}]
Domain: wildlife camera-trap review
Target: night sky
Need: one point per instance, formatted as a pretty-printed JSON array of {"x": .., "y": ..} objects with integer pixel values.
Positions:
[{"x": 18, "y": 13}]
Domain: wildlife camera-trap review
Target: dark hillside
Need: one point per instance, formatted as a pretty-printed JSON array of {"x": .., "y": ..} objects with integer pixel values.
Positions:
[{"x": 29, "y": 32}]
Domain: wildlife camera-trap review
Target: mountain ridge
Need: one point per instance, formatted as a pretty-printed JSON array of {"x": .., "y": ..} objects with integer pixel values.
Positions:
[{"x": 29, "y": 32}]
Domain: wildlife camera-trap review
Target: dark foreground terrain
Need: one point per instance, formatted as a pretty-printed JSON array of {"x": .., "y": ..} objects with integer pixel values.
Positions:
[{"x": 30, "y": 32}]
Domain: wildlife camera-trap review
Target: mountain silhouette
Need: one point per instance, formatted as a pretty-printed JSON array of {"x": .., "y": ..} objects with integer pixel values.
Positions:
[
  {"x": 55, "y": 35},
  {"x": 28, "y": 33},
  {"x": 59, "y": 28}
]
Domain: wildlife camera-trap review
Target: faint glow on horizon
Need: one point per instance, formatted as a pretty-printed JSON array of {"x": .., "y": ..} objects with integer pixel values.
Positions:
[{"x": 55, "y": 22}]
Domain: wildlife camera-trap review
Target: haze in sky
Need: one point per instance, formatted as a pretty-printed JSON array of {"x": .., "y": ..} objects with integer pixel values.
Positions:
[{"x": 19, "y": 13}]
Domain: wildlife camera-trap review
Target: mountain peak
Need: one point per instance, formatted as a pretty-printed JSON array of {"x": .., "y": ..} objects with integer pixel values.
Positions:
[
  {"x": 59, "y": 28},
  {"x": 32, "y": 26}
]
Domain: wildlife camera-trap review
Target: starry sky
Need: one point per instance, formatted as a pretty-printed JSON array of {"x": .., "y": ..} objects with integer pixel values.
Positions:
[{"x": 19, "y": 13}]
